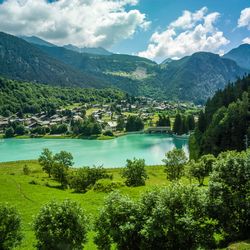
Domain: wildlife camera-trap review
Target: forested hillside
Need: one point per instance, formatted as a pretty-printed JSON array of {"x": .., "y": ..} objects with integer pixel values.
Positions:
[
  {"x": 225, "y": 123},
  {"x": 23, "y": 61},
  {"x": 31, "y": 98},
  {"x": 192, "y": 78}
]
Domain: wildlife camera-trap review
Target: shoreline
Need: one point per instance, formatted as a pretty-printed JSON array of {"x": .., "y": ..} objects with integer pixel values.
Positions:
[{"x": 92, "y": 137}]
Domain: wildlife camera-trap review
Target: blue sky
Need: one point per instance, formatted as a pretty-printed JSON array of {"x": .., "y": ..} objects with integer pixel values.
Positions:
[{"x": 146, "y": 27}]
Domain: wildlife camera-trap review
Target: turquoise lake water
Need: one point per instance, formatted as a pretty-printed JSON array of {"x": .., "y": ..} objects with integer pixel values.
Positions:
[{"x": 109, "y": 153}]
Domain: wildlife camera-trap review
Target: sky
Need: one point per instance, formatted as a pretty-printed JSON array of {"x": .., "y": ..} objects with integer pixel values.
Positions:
[{"x": 156, "y": 29}]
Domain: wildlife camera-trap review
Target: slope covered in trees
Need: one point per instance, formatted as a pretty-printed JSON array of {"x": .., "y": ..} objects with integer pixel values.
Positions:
[
  {"x": 224, "y": 125},
  {"x": 31, "y": 98},
  {"x": 192, "y": 78},
  {"x": 23, "y": 61}
]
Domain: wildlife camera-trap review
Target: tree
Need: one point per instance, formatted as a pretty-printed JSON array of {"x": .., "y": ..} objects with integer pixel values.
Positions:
[
  {"x": 177, "y": 129},
  {"x": 201, "y": 168},
  {"x": 202, "y": 122},
  {"x": 134, "y": 123},
  {"x": 10, "y": 227},
  {"x": 47, "y": 161},
  {"x": 9, "y": 132},
  {"x": 86, "y": 177},
  {"x": 118, "y": 222},
  {"x": 135, "y": 173},
  {"x": 163, "y": 120},
  {"x": 61, "y": 226},
  {"x": 229, "y": 194},
  {"x": 62, "y": 162},
  {"x": 20, "y": 130},
  {"x": 170, "y": 218},
  {"x": 174, "y": 164},
  {"x": 190, "y": 122},
  {"x": 96, "y": 129},
  {"x": 120, "y": 124},
  {"x": 176, "y": 218}
]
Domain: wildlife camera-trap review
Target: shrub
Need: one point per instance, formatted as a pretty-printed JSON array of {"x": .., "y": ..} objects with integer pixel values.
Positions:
[
  {"x": 26, "y": 170},
  {"x": 61, "y": 226},
  {"x": 135, "y": 173},
  {"x": 170, "y": 218},
  {"x": 10, "y": 227},
  {"x": 33, "y": 182},
  {"x": 107, "y": 186},
  {"x": 9, "y": 132},
  {"x": 108, "y": 133},
  {"x": 86, "y": 177}
]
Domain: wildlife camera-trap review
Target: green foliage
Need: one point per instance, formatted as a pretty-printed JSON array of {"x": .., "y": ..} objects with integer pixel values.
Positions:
[
  {"x": 10, "y": 227},
  {"x": 225, "y": 123},
  {"x": 163, "y": 121},
  {"x": 20, "y": 130},
  {"x": 108, "y": 133},
  {"x": 120, "y": 124},
  {"x": 9, "y": 132},
  {"x": 174, "y": 164},
  {"x": 107, "y": 186},
  {"x": 46, "y": 160},
  {"x": 202, "y": 168},
  {"x": 229, "y": 194},
  {"x": 61, "y": 226},
  {"x": 118, "y": 222},
  {"x": 135, "y": 173},
  {"x": 26, "y": 170},
  {"x": 32, "y": 98},
  {"x": 87, "y": 177},
  {"x": 61, "y": 164},
  {"x": 172, "y": 218},
  {"x": 134, "y": 123}
]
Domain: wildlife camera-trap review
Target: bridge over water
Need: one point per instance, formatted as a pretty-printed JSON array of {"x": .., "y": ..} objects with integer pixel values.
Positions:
[{"x": 158, "y": 130}]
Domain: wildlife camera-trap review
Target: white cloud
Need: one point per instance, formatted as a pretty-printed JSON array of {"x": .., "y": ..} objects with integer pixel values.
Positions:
[
  {"x": 189, "y": 33},
  {"x": 80, "y": 22},
  {"x": 246, "y": 40},
  {"x": 244, "y": 20}
]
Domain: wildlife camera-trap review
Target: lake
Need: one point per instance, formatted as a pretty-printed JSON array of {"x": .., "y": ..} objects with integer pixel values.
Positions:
[{"x": 109, "y": 153}]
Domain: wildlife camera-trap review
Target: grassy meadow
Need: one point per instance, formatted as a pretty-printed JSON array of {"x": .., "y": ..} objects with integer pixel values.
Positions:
[{"x": 29, "y": 192}]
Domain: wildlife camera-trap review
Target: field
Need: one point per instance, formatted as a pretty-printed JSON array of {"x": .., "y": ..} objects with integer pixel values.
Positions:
[{"x": 29, "y": 192}]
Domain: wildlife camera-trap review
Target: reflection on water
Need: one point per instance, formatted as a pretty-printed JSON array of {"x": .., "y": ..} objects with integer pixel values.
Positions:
[{"x": 110, "y": 153}]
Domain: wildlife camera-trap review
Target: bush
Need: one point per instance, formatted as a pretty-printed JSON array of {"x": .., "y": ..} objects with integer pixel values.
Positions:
[
  {"x": 9, "y": 132},
  {"x": 107, "y": 186},
  {"x": 86, "y": 177},
  {"x": 26, "y": 170},
  {"x": 33, "y": 182},
  {"x": 108, "y": 133},
  {"x": 10, "y": 227},
  {"x": 170, "y": 218},
  {"x": 135, "y": 173},
  {"x": 61, "y": 226}
]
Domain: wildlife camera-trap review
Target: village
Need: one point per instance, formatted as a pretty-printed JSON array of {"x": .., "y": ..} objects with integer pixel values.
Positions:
[{"x": 106, "y": 115}]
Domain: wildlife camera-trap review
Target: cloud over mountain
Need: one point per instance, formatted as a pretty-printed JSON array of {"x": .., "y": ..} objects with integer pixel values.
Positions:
[
  {"x": 244, "y": 20},
  {"x": 89, "y": 23},
  {"x": 189, "y": 33}
]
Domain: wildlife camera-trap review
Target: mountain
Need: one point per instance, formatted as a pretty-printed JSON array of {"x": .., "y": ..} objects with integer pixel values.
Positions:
[
  {"x": 192, "y": 78},
  {"x": 23, "y": 61},
  {"x": 240, "y": 55},
  {"x": 197, "y": 77},
  {"x": 95, "y": 51},
  {"x": 37, "y": 40}
]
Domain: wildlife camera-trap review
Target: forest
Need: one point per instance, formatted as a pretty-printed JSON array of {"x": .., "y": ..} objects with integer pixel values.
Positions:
[{"x": 224, "y": 124}]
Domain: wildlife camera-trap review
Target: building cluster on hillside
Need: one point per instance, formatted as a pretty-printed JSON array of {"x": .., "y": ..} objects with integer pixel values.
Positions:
[{"x": 105, "y": 114}]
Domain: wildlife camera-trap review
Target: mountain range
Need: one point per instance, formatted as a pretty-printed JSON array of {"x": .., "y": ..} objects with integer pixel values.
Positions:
[{"x": 192, "y": 78}]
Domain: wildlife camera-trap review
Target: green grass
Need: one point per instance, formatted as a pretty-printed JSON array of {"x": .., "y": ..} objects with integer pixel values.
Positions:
[{"x": 15, "y": 188}]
